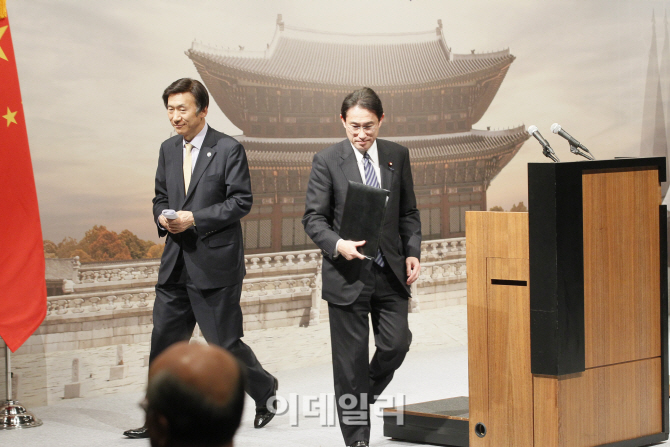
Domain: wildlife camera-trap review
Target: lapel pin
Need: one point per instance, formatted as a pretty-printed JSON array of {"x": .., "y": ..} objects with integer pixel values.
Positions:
[
  {"x": 209, "y": 154},
  {"x": 391, "y": 166}
]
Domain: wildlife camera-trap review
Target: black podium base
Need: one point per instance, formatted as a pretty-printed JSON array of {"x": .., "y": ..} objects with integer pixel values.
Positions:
[{"x": 442, "y": 422}]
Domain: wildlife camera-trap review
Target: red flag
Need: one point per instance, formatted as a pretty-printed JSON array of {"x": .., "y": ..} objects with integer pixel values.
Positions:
[{"x": 23, "y": 293}]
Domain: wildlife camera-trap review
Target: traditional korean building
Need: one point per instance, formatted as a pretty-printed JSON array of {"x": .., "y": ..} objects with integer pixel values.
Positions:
[{"x": 287, "y": 99}]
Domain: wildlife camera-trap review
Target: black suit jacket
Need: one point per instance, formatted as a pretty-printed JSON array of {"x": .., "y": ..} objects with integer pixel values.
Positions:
[
  {"x": 332, "y": 168},
  {"x": 219, "y": 195}
]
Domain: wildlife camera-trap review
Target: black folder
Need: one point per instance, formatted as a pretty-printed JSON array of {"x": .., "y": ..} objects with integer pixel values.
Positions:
[{"x": 363, "y": 216}]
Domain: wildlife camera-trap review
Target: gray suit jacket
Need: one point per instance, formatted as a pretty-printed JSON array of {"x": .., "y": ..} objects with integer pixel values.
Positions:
[
  {"x": 332, "y": 168},
  {"x": 219, "y": 196}
]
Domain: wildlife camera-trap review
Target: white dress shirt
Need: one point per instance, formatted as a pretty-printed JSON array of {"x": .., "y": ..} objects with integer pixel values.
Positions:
[
  {"x": 197, "y": 144},
  {"x": 374, "y": 158}
]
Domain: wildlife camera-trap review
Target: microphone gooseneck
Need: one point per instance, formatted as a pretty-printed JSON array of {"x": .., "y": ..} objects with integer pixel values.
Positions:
[
  {"x": 546, "y": 148},
  {"x": 575, "y": 145}
]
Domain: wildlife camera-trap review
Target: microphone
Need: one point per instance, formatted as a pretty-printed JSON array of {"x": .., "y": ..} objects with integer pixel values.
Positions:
[
  {"x": 574, "y": 144},
  {"x": 546, "y": 149}
]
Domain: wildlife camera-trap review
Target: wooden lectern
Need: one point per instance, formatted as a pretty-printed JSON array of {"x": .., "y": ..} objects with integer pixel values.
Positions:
[{"x": 567, "y": 316}]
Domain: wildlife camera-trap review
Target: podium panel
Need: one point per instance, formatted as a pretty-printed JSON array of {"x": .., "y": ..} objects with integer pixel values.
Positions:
[
  {"x": 600, "y": 406},
  {"x": 621, "y": 259},
  {"x": 497, "y": 249},
  {"x": 567, "y": 316}
]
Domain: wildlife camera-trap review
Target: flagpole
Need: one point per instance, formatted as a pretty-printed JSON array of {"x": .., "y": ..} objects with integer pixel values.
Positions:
[
  {"x": 12, "y": 414},
  {"x": 8, "y": 370}
]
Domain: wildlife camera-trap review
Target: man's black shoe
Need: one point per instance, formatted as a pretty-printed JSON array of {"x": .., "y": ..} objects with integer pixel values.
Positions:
[
  {"x": 360, "y": 444},
  {"x": 263, "y": 414},
  {"x": 137, "y": 433}
]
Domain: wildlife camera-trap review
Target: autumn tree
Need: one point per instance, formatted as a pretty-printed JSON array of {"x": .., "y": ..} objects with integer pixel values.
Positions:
[
  {"x": 50, "y": 249},
  {"x": 66, "y": 247},
  {"x": 101, "y": 244},
  {"x": 156, "y": 251},
  {"x": 108, "y": 247},
  {"x": 83, "y": 256},
  {"x": 91, "y": 236},
  {"x": 138, "y": 248},
  {"x": 520, "y": 208}
]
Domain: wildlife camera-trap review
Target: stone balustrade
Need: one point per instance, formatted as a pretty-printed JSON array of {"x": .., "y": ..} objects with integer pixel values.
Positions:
[
  {"x": 132, "y": 272},
  {"x": 441, "y": 250},
  {"x": 86, "y": 304},
  {"x": 259, "y": 287},
  {"x": 113, "y": 287},
  {"x": 284, "y": 262},
  {"x": 280, "y": 289},
  {"x": 451, "y": 270},
  {"x": 128, "y": 272}
]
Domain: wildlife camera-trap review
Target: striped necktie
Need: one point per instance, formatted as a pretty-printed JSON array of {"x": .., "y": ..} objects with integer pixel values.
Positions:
[
  {"x": 371, "y": 180},
  {"x": 187, "y": 166}
]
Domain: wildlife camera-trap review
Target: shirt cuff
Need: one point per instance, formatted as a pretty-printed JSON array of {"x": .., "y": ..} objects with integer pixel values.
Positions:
[{"x": 337, "y": 253}]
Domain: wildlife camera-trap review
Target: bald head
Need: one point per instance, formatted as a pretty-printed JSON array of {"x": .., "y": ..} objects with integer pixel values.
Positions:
[
  {"x": 210, "y": 370},
  {"x": 195, "y": 396}
]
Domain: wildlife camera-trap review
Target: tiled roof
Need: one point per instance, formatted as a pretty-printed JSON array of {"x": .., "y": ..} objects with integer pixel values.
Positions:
[
  {"x": 448, "y": 147},
  {"x": 297, "y": 59}
]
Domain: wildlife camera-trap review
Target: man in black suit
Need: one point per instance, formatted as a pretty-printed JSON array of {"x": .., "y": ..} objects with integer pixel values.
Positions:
[
  {"x": 354, "y": 286},
  {"x": 204, "y": 175}
]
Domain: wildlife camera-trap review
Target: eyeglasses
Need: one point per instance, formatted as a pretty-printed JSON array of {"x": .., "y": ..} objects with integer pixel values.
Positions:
[{"x": 368, "y": 128}]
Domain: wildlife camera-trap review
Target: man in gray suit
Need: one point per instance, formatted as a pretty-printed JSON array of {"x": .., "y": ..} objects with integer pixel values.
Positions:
[
  {"x": 356, "y": 287},
  {"x": 204, "y": 175}
]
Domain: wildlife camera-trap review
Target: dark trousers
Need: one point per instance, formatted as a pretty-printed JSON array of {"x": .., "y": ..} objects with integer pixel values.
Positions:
[
  {"x": 359, "y": 381},
  {"x": 218, "y": 313}
]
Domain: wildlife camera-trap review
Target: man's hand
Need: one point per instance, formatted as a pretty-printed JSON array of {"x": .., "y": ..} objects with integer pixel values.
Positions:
[
  {"x": 183, "y": 222},
  {"x": 162, "y": 220},
  {"x": 349, "y": 249},
  {"x": 413, "y": 268}
]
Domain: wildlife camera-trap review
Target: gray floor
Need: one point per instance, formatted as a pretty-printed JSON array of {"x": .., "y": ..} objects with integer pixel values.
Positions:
[
  {"x": 93, "y": 422},
  {"x": 435, "y": 368}
]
